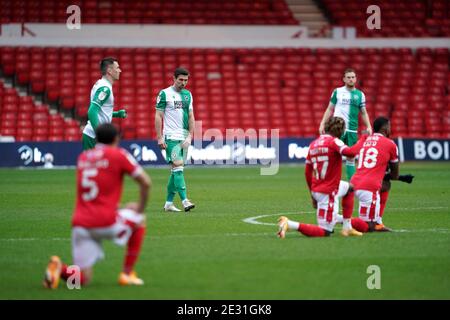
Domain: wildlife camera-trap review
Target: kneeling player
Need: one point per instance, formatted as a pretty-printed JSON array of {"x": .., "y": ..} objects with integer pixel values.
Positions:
[
  {"x": 323, "y": 172},
  {"x": 377, "y": 152},
  {"x": 100, "y": 174}
]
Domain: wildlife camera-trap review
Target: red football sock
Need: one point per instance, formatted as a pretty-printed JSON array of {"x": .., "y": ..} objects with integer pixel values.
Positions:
[
  {"x": 311, "y": 230},
  {"x": 133, "y": 249},
  {"x": 360, "y": 225},
  {"x": 383, "y": 199},
  {"x": 347, "y": 205},
  {"x": 65, "y": 274}
]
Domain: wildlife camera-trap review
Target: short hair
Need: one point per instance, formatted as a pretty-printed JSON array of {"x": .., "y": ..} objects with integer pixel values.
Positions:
[
  {"x": 335, "y": 126},
  {"x": 105, "y": 63},
  {"x": 106, "y": 133},
  {"x": 348, "y": 70},
  {"x": 180, "y": 72},
  {"x": 380, "y": 123}
]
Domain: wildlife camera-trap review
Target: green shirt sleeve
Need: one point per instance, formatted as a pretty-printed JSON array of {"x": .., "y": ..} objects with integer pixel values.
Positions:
[
  {"x": 101, "y": 96},
  {"x": 161, "y": 101},
  {"x": 93, "y": 115},
  {"x": 333, "y": 98},
  {"x": 363, "y": 101}
]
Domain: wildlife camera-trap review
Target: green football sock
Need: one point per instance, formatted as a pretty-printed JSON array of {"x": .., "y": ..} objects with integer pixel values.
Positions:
[
  {"x": 171, "y": 191},
  {"x": 350, "y": 169},
  {"x": 180, "y": 185}
]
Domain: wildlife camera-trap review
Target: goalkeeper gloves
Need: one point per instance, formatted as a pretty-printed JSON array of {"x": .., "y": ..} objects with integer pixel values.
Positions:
[{"x": 408, "y": 178}]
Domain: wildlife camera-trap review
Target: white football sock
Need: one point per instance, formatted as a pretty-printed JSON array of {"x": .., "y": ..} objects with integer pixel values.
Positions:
[
  {"x": 167, "y": 204},
  {"x": 346, "y": 224},
  {"x": 292, "y": 225}
]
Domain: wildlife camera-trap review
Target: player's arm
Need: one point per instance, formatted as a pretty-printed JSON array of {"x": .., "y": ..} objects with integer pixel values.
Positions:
[
  {"x": 120, "y": 114},
  {"x": 130, "y": 166},
  {"x": 145, "y": 184},
  {"x": 366, "y": 120},
  {"x": 308, "y": 178},
  {"x": 308, "y": 174},
  {"x": 328, "y": 113},
  {"x": 101, "y": 95},
  {"x": 353, "y": 150},
  {"x": 191, "y": 123},
  {"x": 394, "y": 170},
  {"x": 159, "y": 118},
  {"x": 364, "y": 114}
]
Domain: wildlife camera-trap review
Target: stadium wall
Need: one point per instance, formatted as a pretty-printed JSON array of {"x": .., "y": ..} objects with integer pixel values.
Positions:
[
  {"x": 188, "y": 36},
  {"x": 146, "y": 152}
]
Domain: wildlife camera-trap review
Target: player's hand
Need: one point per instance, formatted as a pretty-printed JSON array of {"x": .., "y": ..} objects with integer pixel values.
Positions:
[
  {"x": 408, "y": 178},
  {"x": 369, "y": 131},
  {"x": 161, "y": 143},
  {"x": 187, "y": 142},
  {"x": 122, "y": 113}
]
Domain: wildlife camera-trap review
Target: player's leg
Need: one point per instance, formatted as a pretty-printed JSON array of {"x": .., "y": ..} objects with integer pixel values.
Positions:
[
  {"x": 88, "y": 142},
  {"x": 171, "y": 189},
  {"x": 310, "y": 230},
  {"x": 350, "y": 139},
  {"x": 384, "y": 194},
  {"x": 131, "y": 229},
  {"x": 369, "y": 211},
  {"x": 347, "y": 196},
  {"x": 325, "y": 227},
  {"x": 178, "y": 156},
  {"x": 57, "y": 270},
  {"x": 85, "y": 251}
]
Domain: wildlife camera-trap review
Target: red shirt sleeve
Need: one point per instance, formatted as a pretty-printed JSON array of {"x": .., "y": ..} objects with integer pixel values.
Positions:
[
  {"x": 128, "y": 164},
  {"x": 354, "y": 150},
  {"x": 393, "y": 152}
]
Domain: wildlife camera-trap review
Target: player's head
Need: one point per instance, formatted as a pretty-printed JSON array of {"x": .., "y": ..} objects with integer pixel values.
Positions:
[
  {"x": 110, "y": 67},
  {"x": 349, "y": 77},
  {"x": 180, "y": 78},
  {"x": 335, "y": 126},
  {"x": 107, "y": 133},
  {"x": 382, "y": 125}
]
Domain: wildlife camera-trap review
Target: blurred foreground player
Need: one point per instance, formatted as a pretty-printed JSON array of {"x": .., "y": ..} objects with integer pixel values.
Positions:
[
  {"x": 323, "y": 173},
  {"x": 96, "y": 217}
]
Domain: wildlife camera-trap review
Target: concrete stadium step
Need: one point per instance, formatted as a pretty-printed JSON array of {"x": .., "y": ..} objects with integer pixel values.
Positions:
[{"x": 309, "y": 15}]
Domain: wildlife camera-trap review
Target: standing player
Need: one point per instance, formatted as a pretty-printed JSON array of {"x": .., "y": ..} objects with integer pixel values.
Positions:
[
  {"x": 102, "y": 101},
  {"x": 174, "y": 107},
  {"x": 347, "y": 102},
  {"x": 377, "y": 153},
  {"x": 323, "y": 175},
  {"x": 100, "y": 173}
]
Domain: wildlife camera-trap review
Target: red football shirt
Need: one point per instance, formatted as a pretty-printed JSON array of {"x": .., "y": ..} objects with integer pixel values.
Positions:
[
  {"x": 100, "y": 174},
  {"x": 376, "y": 153},
  {"x": 325, "y": 157}
]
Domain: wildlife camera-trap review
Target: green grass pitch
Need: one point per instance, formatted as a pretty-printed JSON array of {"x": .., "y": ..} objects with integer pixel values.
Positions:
[{"x": 212, "y": 254}]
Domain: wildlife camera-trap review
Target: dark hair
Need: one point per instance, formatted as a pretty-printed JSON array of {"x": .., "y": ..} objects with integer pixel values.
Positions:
[
  {"x": 180, "y": 71},
  {"x": 380, "y": 123},
  {"x": 348, "y": 70},
  {"x": 106, "y": 133},
  {"x": 335, "y": 126},
  {"x": 105, "y": 63}
]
